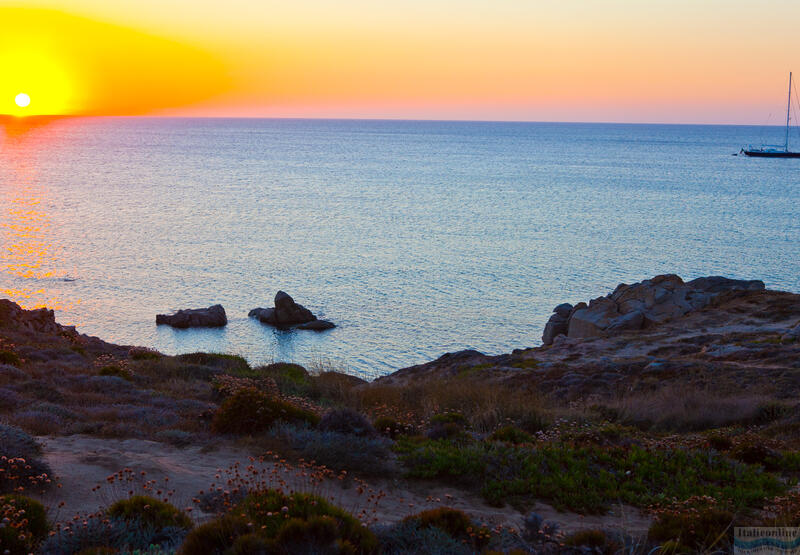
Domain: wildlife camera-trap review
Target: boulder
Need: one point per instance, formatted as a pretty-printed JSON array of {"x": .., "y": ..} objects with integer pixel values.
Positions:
[
  {"x": 287, "y": 313},
  {"x": 642, "y": 305},
  {"x": 557, "y": 324},
  {"x": 211, "y": 317}
]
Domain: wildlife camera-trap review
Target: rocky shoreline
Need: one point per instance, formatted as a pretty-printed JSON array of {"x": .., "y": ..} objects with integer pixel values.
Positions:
[{"x": 569, "y": 447}]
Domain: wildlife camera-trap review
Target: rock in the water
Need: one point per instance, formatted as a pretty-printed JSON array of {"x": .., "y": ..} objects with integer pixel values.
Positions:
[
  {"x": 211, "y": 317},
  {"x": 288, "y": 313},
  {"x": 317, "y": 325},
  {"x": 642, "y": 305}
]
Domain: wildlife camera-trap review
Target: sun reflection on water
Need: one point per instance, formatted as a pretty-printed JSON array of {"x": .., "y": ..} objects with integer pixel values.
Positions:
[{"x": 30, "y": 256}]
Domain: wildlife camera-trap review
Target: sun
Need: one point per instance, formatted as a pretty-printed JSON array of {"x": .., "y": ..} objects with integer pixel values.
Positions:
[{"x": 22, "y": 100}]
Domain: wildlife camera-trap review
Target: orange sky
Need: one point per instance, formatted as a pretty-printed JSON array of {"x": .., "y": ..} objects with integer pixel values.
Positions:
[{"x": 575, "y": 60}]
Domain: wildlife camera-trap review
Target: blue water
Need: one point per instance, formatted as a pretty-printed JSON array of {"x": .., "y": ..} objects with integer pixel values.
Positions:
[{"x": 416, "y": 238}]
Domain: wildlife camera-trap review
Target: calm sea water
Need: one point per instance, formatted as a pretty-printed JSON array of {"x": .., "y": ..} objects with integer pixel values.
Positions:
[{"x": 416, "y": 238}]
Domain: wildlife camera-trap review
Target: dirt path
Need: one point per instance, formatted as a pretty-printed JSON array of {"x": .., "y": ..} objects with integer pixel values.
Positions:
[{"x": 83, "y": 465}]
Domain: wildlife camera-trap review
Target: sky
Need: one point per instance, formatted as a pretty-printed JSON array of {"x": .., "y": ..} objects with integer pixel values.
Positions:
[{"x": 678, "y": 61}]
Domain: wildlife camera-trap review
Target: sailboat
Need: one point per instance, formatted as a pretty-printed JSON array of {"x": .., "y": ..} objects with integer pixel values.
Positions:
[{"x": 776, "y": 151}]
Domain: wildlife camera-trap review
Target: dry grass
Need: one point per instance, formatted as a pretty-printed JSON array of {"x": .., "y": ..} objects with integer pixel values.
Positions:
[
  {"x": 680, "y": 408},
  {"x": 485, "y": 406}
]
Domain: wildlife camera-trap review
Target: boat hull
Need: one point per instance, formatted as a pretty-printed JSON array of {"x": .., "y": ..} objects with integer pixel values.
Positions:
[{"x": 762, "y": 154}]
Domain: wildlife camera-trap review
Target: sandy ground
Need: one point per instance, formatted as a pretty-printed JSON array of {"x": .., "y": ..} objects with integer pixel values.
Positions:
[{"x": 83, "y": 464}]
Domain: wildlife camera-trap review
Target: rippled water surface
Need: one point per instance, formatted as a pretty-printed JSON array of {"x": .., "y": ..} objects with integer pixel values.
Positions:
[{"x": 416, "y": 238}]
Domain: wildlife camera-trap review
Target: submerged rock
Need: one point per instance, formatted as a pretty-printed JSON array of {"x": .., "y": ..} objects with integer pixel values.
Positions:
[
  {"x": 287, "y": 313},
  {"x": 317, "y": 325},
  {"x": 211, "y": 317},
  {"x": 642, "y": 305}
]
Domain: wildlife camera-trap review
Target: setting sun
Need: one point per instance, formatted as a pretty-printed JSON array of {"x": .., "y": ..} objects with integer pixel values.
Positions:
[{"x": 22, "y": 100}]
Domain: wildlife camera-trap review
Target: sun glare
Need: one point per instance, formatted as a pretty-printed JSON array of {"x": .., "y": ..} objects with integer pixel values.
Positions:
[{"x": 22, "y": 100}]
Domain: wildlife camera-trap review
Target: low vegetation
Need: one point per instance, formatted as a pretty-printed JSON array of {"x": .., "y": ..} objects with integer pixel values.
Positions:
[{"x": 697, "y": 460}]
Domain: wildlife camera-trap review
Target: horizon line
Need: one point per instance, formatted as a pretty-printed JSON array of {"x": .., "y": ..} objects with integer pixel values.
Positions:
[{"x": 22, "y": 119}]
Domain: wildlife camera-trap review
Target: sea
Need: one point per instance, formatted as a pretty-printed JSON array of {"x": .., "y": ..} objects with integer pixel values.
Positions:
[{"x": 416, "y": 238}]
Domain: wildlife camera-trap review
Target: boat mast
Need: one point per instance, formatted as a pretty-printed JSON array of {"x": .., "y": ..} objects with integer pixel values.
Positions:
[{"x": 788, "y": 109}]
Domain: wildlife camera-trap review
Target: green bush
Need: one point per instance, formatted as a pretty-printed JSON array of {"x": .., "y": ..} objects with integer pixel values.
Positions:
[
  {"x": 250, "y": 411},
  {"x": 150, "y": 512},
  {"x": 292, "y": 379},
  {"x": 279, "y": 523},
  {"x": 25, "y": 524},
  {"x": 587, "y": 478},
  {"x": 511, "y": 434}
]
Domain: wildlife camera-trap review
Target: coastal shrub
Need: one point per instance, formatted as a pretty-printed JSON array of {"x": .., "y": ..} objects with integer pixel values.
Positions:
[
  {"x": 216, "y": 502},
  {"x": 9, "y": 357},
  {"x": 98, "y": 532},
  {"x": 9, "y": 399},
  {"x": 150, "y": 512},
  {"x": 693, "y": 529},
  {"x": 534, "y": 421},
  {"x": 719, "y": 442},
  {"x": 165, "y": 369},
  {"x": 114, "y": 370},
  {"x": 21, "y": 463},
  {"x": 754, "y": 452},
  {"x": 38, "y": 422},
  {"x": 674, "y": 408},
  {"x": 251, "y": 411},
  {"x": 454, "y": 523},
  {"x": 587, "y": 478},
  {"x": 408, "y": 538},
  {"x": 230, "y": 364},
  {"x": 24, "y": 524},
  {"x": 334, "y": 387},
  {"x": 346, "y": 421},
  {"x": 361, "y": 454},
  {"x": 15, "y": 442},
  {"x": 143, "y": 353},
  {"x": 450, "y": 418},
  {"x": 215, "y": 537},
  {"x": 450, "y": 430},
  {"x": 292, "y": 379},
  {"x": 391, "y": 428},
  {"x": 11, "y": 374},
  {"x": 770, "y": 411},
  {"x": 589, "y": 538},
  {"x": 782, "y": 511},
  {"x": 40, "y": 390},
  {"x": 511, "y": 434},
  {"x": 283, "y": 523}
]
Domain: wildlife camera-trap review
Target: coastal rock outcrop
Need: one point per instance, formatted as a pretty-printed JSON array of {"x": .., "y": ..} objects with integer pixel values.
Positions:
[
  {"x": 287, "y": 313},
  {"x": 212, "y": 317},
  {"x": 642, "y": 305},
  {"x": 40, "y": 320}
]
